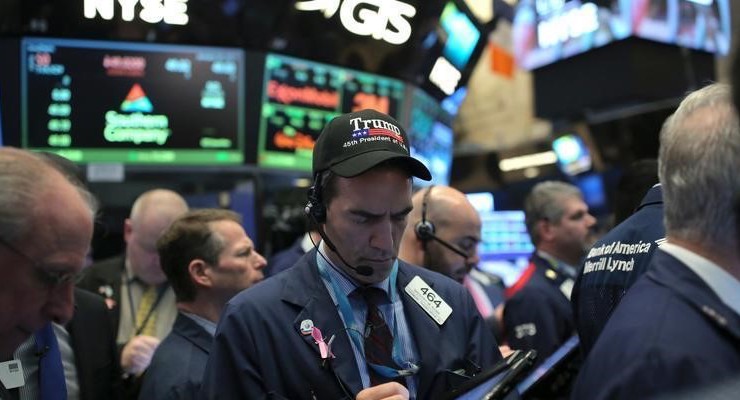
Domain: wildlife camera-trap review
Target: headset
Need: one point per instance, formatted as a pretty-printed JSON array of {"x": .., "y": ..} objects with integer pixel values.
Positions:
[
  {"x": 316, "y": 210},
  {"x": 425, "y": 230}
]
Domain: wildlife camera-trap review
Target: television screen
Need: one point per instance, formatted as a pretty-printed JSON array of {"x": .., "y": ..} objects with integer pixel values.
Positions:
[
  {"x": 455, "y": 47},
  {"x": 505, "y": 245},
  {"x": 431, "y": 137},
  {"x": 300, "y": 97},
  {"x": 462, "y": 35},
  {"x": 94, "y": 101},
  {"x": 594, "y": 195},
  {"x": 481, "y": 201},
  {"x": 572, "y": 153},
  {"x": 545, "y": 31}
]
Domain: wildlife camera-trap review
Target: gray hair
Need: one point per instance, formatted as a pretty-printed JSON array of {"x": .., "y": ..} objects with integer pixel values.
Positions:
[
  {"x": 23, "y": 176},
  {"x": 545, "y": 202},
  {"x": 698, "y": 167}
]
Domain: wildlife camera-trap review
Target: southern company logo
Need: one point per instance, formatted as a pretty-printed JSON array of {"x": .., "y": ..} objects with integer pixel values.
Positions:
[
  {"x": 135, "y": 124},
  {"x": 136, "y": 101}
]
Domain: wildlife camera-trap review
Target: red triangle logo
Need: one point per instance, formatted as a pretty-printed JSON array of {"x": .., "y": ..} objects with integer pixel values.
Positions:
[{"x": 135, "y": 93}]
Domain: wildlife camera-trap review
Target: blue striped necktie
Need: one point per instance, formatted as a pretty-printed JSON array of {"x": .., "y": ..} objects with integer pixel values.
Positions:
[{"x": 51, "y": 370}]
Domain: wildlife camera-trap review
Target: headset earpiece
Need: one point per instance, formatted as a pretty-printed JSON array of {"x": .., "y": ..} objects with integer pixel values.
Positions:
[
  {"x": 315, "y": 207},
  {"x": 424, "y": 228}
]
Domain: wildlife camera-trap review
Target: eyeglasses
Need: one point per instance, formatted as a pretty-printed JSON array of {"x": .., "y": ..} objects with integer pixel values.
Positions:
[{"x": 46, "y": 276}]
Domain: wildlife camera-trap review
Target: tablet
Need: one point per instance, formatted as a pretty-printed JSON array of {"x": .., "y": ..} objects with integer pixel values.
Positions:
[
  {"x": 549, "y": 366},
  {"x": 497, "y": 380}
]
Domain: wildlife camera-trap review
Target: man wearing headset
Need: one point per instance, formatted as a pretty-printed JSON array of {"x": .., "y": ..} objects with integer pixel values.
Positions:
[
  {"x": 351, "y": 320},
  {"x": 442, "y": 235}
]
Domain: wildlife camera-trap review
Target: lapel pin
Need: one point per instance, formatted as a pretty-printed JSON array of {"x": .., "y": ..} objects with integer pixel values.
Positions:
[{"x": 306, "y": 327}]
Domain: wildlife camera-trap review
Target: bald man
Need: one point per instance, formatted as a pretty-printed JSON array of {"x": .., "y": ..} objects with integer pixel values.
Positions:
[
  {"x": 442, "y": 235},
  {"x": 134, "y": 287}
]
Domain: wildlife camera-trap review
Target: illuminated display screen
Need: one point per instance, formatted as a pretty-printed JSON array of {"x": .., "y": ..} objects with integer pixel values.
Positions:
[
  {"x": 431, "y": 137},
  {"x": 545, "y": 31},
  {"x": 592, "y": 187},
  {"x": 573, "y": 155},
  {"x": 300, "y": 97},
  {"x": 505, "y": 245},
  {"x": 94, "y": 101},
  {"x": 462, "y": 36},
  {"x": 504, "y": 236}
]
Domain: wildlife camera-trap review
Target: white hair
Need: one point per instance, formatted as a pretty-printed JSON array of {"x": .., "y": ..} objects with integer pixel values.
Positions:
[{"x": 699, "y": 168}]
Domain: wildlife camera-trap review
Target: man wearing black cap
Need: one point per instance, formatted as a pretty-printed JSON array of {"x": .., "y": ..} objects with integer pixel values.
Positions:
[{"x": 350, "y": 320}]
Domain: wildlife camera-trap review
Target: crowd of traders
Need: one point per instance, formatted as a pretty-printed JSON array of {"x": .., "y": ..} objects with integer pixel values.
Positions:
[{"x": 382, "y": 299}]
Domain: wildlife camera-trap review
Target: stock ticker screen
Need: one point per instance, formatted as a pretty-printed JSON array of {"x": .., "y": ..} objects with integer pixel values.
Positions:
[
  {"x": 300, "y": 97},
  {"x": 94, "y": 101}
]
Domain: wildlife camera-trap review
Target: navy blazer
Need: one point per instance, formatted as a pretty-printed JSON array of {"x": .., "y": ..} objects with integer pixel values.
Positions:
[
  {"x": 259, "y": 351},
  {"x": 537, "y": 314},
  {"x": 609, "y": 271},
  {"x": 94, "y": 345},
  {"x": 670, "y": 333},
  {"x": 178, "y": 363},
  {"x": 285, "y": 258}
]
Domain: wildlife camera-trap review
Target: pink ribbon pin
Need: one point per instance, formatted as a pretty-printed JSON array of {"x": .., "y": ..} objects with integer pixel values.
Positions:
[{"x": 324, "y": 348}]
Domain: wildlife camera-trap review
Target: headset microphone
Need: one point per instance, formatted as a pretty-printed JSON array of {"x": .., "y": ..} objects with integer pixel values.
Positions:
[
  {"x": 364, "y": 270},
  {"x": 425, "y": 229},
  {"x": 316, "y": 210}
]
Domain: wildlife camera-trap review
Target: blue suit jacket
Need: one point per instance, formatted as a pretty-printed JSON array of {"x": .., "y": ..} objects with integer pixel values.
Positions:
[
  {"x": 538, "y": 316},
  {"x": 670, "y": 333},
  {"x": 177, "y": 367},
  {"x": 259, "y": 351},
  {"x": 598, "y": 291},
  {"x": 285, "y": 259}
]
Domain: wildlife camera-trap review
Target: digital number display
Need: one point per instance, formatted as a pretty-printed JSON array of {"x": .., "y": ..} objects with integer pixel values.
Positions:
[
  {"x": 95, "y": 101},
  {"x": 300, "y": 97}
]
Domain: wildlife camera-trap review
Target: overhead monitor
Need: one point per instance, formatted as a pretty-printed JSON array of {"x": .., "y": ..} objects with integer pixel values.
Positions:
[
  {"x": 134, "y": 103},
  {"x": 459, "y": 39},
  {"x": 594, "y": 193},
  {"x": 572, "y": 154},
  {"x": 431, "y": 136},
  {"x": 299, "y": 97},
  {"x": 545, "y": 31}
]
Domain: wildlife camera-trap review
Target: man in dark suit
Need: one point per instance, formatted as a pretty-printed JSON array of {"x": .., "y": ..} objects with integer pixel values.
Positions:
[
  {"x": 442, "y": 234},
  {"x": 350, "y": 319},
  {"x": 537, "y": 312},
  {"x": 46, "y": 224},
  {"x": 678, "y": 327},
  {"x": 208, "y": 258},
  {"x": 133, "y": 285},
  {"x": 613, "y": 265}
]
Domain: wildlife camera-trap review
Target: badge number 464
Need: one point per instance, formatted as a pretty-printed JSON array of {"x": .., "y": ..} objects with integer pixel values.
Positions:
[{"x": 429, "y": 300}]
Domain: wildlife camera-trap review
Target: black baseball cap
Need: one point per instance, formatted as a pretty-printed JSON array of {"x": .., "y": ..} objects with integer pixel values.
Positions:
[{"x": 352, "y": 143}]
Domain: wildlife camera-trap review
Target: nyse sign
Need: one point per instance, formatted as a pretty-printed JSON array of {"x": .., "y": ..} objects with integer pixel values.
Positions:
[
  {"x": 173, "y": 12},
  {"x": 386, "y": 20}
]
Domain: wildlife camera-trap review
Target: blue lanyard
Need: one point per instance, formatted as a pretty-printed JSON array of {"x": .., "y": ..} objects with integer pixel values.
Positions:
[{"x": 355, "y": 331}]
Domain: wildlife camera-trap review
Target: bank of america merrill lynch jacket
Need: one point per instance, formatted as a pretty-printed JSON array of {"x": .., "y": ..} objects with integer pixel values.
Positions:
[{"x": 259, "y": 351}]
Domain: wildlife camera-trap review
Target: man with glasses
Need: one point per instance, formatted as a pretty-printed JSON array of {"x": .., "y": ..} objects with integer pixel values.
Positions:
[
  {"x": 46, "y": 225},
  {"x": 141, "y": 302}
]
